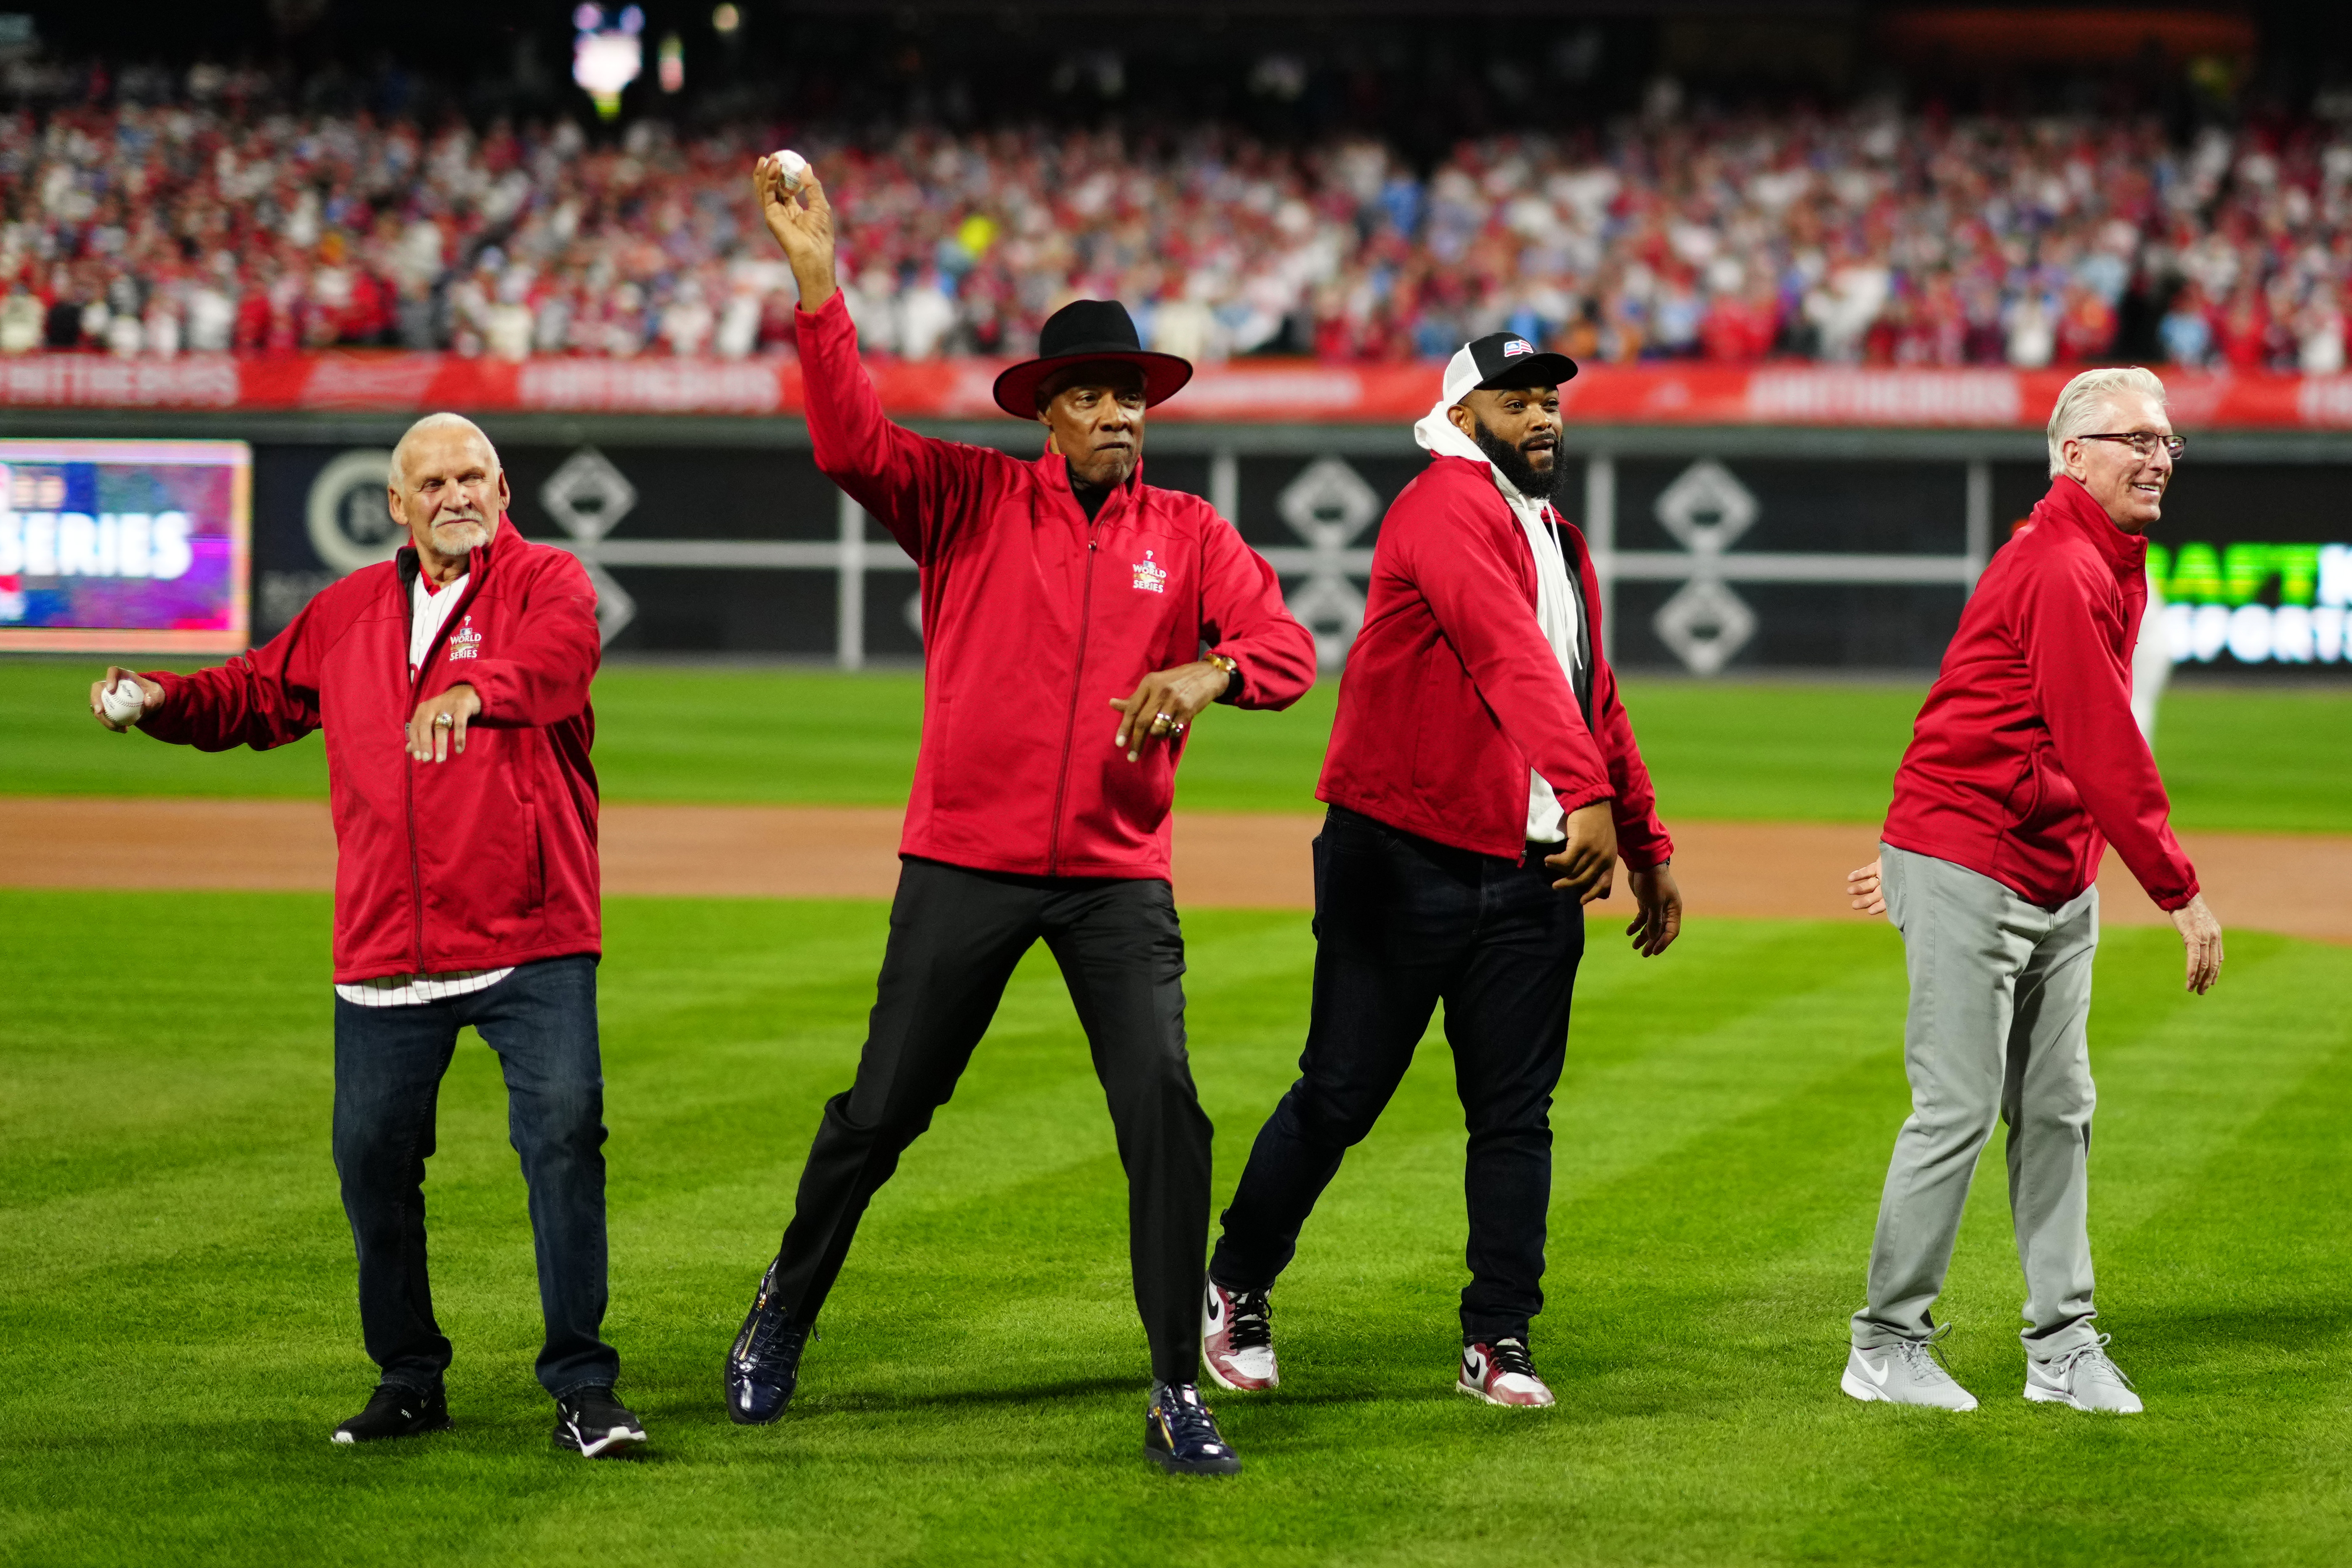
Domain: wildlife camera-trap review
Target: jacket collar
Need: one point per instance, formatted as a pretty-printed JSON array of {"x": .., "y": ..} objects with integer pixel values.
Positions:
[
  {"x": 1057, "y": 469},
  {"x": 2069, "y": 504}
]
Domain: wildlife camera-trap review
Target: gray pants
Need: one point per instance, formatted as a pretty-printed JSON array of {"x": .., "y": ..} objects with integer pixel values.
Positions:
[{"x": 2000, "y": 992}]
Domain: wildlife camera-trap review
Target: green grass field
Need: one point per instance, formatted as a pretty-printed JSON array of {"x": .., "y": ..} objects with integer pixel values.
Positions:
[
  {"x": 177, "y": 1329},
  {"x": 175, "y": 1276},
  {"x": 2269, "y": 760}
]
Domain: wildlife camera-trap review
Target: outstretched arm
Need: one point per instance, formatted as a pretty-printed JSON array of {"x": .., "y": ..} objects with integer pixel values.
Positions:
[
  {"x": 261, "y": 700},
  {"x": 921, "y": 490}
]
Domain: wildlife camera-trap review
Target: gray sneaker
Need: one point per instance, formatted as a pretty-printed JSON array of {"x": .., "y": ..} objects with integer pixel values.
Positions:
[
  {"x": 2084, "y": 1378},
  {"x": 1904, "y": 1372}
]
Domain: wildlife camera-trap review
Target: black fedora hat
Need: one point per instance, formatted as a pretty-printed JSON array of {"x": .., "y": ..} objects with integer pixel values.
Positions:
[{"x": 1087, "y": 329}]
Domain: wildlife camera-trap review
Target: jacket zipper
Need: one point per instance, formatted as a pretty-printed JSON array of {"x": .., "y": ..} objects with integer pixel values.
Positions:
[
  {"x": 408, "y": 775},
  {"x": 1077, "y": 690}
]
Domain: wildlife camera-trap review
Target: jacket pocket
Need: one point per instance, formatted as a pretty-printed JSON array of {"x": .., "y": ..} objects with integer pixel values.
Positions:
[
  {"x": 938, "y": 755},
  {"x": 2024, "y": 799},
  {"x": 534, "y": 863}
]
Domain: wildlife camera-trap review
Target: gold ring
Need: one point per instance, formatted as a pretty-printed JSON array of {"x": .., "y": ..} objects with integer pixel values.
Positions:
[{"x": 443, "y": 721}]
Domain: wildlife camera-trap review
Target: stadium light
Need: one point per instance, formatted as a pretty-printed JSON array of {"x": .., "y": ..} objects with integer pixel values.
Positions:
[
  {"x": 605, "y": 60},
  {"x": 670, "y": 64},
  {"x": 725, "y": 20}
]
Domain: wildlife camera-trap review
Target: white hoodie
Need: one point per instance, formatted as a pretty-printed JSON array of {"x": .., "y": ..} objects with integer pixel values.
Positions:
[{"x": 1556, "y": 600}]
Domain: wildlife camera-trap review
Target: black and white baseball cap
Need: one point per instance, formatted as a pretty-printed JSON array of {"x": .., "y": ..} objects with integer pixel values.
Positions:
[{"x": 1502, "y": 360}]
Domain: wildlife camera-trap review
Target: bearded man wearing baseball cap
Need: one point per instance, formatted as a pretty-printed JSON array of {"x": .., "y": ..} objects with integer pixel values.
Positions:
[
  {"x": 1483, "y": 782},
  {"x": 1076, "y": 621}
]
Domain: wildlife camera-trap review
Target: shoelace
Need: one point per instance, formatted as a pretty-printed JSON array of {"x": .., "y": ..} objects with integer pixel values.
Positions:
[
  {"x": 769, "y": 1332},
  {"x": 2096, "y": 1352},
  {"x": 1510, "y": 1356},
  {"x": 1188, "y": 1419},
  {"x": 1252, "y": 1324},
  {"x": 1925, "y": 1357}
]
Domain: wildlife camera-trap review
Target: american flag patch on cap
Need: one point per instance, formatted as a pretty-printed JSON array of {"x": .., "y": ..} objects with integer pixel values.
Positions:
[{"x": 1517, "y": 346}]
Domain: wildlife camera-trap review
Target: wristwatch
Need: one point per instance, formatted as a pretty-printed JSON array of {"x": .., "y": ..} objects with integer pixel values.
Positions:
[{"x": 1232, "y": 675}]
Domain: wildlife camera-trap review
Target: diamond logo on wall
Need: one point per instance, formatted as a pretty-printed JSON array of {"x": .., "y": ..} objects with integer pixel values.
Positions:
[
  {"x": 587, "y": 497},
  {"x": 1705, "y": 507},
  {"x": 1705, "y": 622},
  {"x": 1328, "y": 505}
]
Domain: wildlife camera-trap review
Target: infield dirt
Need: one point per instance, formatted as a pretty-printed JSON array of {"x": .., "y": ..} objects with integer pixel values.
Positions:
[{"x": 2293, "y": 884}]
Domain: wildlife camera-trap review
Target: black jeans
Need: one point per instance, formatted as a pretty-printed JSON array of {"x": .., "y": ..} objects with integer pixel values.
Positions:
[
  {"x": 1401, "y": 923},
  {"x": 955, "y": 935},
  {"x": 542, "y": 1021}
]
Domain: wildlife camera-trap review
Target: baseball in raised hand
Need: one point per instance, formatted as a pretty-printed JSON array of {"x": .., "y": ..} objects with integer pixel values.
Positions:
[{"x": 801, "y": 219}]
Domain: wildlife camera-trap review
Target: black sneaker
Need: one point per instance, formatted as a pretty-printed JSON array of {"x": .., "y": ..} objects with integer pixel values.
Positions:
[
  {"x": 1181, "y": 1436},
  {"x": 764, "y": 1366},
  {"x": 395, "y": 1411},
  {"x": 592, "y": 1421}
]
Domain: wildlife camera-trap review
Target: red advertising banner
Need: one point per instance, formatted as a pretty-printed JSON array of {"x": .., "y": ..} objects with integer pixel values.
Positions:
[{"x": 1255, "y": 391}]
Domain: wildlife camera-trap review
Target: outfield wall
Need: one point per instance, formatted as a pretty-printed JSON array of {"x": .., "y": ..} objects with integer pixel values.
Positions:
[{"x": 1721, "y": 548}]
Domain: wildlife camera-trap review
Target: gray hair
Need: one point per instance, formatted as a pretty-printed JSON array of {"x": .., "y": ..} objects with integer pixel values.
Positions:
[
  {"x": 435, "y": 422},
  {"x": 2085, "y": 403}
]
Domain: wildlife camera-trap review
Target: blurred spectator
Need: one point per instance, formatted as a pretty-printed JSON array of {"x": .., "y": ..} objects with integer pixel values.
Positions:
[
  {"x": 2187, "y": 329},
  {"x": 221, "y": 223}
]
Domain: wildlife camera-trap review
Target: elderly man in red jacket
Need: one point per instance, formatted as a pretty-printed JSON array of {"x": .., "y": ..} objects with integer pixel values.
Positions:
[
  {"x": 2025, "y": 765},
  {"x": 452, "y": 682},
  {"x": 1066, "y": 609},
  {"x": 1482, "y": 781}
]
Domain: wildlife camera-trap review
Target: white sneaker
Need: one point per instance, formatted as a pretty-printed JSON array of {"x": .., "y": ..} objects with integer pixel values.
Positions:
[
  {"x": 1501, "y": 1373},
  {"x": 2084, "y": 1378},
  {"x": 1904, "y": 1372},
  {"x": 1237, "y": 1339}
]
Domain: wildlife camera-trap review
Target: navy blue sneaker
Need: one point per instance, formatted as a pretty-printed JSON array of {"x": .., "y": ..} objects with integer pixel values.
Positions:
[
  {"x": 1181, "y": 1436},
  {"x": 764, "y": 1367},
  {"x": 590, "y": 1421},
  {"x": 393, "y": 1411}
]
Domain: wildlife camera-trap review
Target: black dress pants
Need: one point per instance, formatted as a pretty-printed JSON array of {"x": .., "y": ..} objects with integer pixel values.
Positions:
[
  {"x": 955, "y": 936},
  {"x": 1400, "y": 924}
]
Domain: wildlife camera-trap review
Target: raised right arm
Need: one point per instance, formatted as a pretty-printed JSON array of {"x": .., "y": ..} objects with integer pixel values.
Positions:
[{"x": 919, "y": 489}]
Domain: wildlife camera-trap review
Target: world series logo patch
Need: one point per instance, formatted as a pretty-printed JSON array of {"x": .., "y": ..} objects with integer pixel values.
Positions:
[
  {"x": 1150, "y": 577},
  {"x": 465, "y": 642}
]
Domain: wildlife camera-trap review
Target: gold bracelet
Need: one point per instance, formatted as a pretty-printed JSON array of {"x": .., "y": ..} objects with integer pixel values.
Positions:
[{"x": 1230, "y": 665}]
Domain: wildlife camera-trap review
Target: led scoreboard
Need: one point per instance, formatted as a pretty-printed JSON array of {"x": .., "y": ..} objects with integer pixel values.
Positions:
[{"x": 125, "y": 546}]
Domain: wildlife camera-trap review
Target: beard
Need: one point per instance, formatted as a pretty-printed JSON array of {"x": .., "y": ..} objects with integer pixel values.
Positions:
[
  {"x": 1533, "y": 483},
  {"x": 459, "y": 536}
]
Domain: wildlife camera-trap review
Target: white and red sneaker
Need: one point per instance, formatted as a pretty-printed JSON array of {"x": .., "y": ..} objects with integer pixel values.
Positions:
[
  {"x": 1501, "y": 1373},
  {"x": 1237, "y": 1339}
]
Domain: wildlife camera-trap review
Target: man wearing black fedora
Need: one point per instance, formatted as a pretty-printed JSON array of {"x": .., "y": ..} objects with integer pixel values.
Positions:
[{"x": 1076, "y": 622}]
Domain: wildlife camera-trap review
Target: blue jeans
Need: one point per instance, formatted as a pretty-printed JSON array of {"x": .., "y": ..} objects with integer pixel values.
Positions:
[{"x": 542, "y": 1021}]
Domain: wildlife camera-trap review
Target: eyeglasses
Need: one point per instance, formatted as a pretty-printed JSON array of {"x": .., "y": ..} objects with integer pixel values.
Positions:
[{"x": 2143, "y": 442}]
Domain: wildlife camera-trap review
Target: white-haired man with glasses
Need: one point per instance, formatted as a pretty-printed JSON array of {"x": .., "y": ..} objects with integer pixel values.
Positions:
[{"x": 2024, "y": 765}]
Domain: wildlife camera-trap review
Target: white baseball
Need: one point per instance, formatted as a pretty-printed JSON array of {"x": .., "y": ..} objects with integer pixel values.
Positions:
[
  {"x": 123, "y": 701},
  {"x": 793, "y": 165}
]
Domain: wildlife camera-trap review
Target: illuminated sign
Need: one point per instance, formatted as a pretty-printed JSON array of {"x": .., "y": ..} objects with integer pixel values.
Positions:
[
  {"x": 606, "y": 60},
  {"x": 2215, "y": 601},
  {"x": 127, "y": 546}
]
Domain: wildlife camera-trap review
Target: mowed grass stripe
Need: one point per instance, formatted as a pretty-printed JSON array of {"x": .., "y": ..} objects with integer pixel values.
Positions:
[
  {"x": 2235, "y": 760},
  {"x": 977, "y": 1397}
]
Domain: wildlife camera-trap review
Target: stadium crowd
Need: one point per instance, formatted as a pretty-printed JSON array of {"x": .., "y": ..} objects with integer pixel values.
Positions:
[{"x": 198, "y": 224}]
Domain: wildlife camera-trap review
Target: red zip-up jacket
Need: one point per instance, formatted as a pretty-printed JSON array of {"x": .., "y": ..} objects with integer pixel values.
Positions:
[
  {"x": 483, "y": 861},
  {"x": 1452, "y": 693},
  {"x": 1035, "y": 619},
  {"x": 2025, "y": 763}
]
